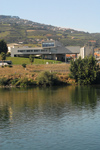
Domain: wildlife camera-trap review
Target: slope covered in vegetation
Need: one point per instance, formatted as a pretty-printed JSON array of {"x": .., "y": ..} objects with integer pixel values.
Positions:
[{"x": 15, "y": 30}]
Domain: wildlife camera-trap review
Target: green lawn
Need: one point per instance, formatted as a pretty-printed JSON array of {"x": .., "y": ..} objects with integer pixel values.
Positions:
[{"x": 20, "y": 61}]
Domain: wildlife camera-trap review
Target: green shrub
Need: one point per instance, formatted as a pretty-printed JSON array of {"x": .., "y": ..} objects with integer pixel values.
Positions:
[
  {"x": 24, "y": 65},
  {"x": 84, "y": 71},
  {"x": 32, "y": 82},
  {"x": 4, "y": 81},
  {"x": 25, "y": 82},
  {"x": 10, "y": 66},
  {"x": 14, "y": 81},
  {"x": 6, "y": 65},
  {"x": 47, "y": 79},
  {"x": 22, "y": 82},
  {"x": 2, "y": 66},
  {"x": 33, "y": 75}
]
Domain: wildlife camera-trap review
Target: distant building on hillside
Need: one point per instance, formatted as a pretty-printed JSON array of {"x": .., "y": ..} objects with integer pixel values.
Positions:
[
  {"x": 52, "y": 50},
  {"x": 49, "y": 50}
]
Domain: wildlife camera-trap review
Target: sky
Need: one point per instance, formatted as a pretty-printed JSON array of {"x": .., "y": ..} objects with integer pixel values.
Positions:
[{"x": 83, "y": 15}]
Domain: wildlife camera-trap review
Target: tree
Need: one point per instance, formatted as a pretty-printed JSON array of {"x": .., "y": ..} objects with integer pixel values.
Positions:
[
  {"x": 84, "y": 71},
  {"x": 3, "y": 56},
  {"x": 31, "y": 58},
  {"x": 3, "y": 46}
]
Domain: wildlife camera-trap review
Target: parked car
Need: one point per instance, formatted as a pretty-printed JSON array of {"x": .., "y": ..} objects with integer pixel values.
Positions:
[{"x": 3, "y": 64}]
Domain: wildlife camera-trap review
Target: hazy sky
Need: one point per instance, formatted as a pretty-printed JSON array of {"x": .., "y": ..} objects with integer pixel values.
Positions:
[{"x": 77, "y": 14}]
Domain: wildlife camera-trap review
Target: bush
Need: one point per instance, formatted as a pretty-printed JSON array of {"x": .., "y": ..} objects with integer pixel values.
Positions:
[
  {"x": 47, "y": 79},
  {"x": 84, "y": 71},
  {"x": 4, "y": 81},
  {"x": 2, "y": 66},
  {"x": 14, "y": 81},
  {"x": 33, "y": 75},
  {"x": 5, "y": 65},
  {"x": 10, "y": 66},
  {"x": 25, "y": 82},
  {"x": 24, "y": 65}
]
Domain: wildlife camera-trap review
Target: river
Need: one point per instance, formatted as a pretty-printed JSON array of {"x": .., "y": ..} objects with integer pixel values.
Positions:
[{"x": 57, "y": 118}]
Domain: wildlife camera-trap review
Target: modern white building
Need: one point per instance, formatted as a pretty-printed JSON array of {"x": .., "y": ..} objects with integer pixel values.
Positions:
[
  {"x": 86, "y": 51},
  {"x": 49, "y": 50},
  {"x": 12, "y": 45},
  {"x": 52, "y": 50}
]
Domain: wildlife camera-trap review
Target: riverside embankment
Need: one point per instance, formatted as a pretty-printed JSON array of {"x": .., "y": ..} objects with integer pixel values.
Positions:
[{"x": 31, "y": 72}]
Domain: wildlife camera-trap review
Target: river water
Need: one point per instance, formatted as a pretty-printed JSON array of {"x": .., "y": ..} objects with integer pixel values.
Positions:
[{"x": 63, "y": 118}]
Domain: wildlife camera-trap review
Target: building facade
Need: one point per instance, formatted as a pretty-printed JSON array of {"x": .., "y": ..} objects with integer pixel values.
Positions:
[
  {"x": 86, "y": 51},
  {"x": 52, "y": 50},
  {"x": 48, "y": 50}
]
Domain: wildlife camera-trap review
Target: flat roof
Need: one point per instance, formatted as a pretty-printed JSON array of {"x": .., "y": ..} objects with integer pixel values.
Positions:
[
  {"x": 58, "y": 49},
  {"x": 73, "y": 49}
]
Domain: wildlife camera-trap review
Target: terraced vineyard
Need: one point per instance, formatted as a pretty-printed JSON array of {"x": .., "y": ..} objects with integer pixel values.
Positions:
[{"x": 15, "y": 30}]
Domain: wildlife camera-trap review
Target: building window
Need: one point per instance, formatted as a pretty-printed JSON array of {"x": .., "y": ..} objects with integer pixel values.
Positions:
[
  {"x": 44, "y": 50},
  {"x": 36, "y": 50},
  {"x": 27, "y": 50},
  {"x": 48, "y": 44},
  {"x": 21, "y": 50}
]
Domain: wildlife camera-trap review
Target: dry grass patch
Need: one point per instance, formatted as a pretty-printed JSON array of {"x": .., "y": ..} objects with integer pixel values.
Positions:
[
  {"x": 30, "y": 30},
  {"x": 31, "y": 71}
]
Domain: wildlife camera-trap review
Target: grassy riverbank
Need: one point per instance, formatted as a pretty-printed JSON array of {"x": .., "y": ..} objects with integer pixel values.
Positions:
[{"x": 31, "y": 72}]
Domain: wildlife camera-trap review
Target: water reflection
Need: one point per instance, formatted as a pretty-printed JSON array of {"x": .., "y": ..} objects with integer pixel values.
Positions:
[
  {"x": 50, "y": 118},
  {"x": 4, "y": 113},
  {"x": 46, "y": 102},
  {"x": 85, "y": 97}
]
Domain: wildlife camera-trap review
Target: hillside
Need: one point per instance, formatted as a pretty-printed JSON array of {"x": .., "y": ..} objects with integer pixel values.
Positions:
[{"x": 14, "y": 30}]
